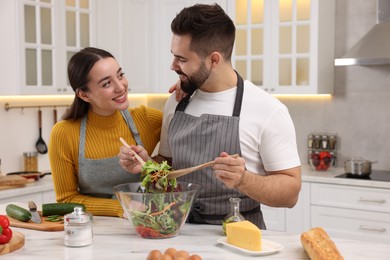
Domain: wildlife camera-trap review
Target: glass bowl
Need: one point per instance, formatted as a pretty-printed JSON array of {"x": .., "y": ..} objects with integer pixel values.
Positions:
[
  {"x": 156, "y": 215},
  {"x": 322, "y": 161}
]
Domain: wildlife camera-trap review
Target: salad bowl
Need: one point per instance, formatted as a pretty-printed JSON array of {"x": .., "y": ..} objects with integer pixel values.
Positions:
[{"x": 156, "y": 214}]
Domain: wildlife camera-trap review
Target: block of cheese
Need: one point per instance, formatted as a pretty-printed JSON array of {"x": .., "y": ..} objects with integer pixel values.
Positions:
[
  {"x": 319, "y": 246},
  {"x": 244, "y": 234}
]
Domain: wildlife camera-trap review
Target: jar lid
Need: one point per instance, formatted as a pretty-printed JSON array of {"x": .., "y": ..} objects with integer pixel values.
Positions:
[
  {"x": 30, "y": 154},
  {"x": 78, "y": 216}
]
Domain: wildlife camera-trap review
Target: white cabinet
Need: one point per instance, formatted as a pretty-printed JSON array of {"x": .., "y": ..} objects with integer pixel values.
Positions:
[
  {"x": 37, "y": 197},
  {"x": 285, "y": 47},
  {"x": 351, "y": 211},
  {"x": 9, "y": 66},
  {"x": 41, "y": 38},
  {"x": 294, "y": 220}
]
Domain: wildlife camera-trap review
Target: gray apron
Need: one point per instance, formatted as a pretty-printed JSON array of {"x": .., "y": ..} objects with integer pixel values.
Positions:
[
  {"x": 97, "y": 177},
  {"x": 196, "y": 140}
]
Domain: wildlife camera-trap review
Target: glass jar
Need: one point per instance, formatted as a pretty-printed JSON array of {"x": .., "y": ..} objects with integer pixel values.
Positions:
[
  {"x": 332, "y": 142},
  {"x": 78, "y": 228},
  {"x": 324, "y": 142},
  {"x": 317, "y": 142},
  {"x": 310, "y": 140},
  {"x": 30, "y": 161},
  {"x": 234, "y": 215}
]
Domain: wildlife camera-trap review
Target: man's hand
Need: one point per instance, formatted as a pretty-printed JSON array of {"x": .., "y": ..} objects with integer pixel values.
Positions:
[
  {"x": 180, "y": 94},
  {"x": 229, "y": 169},
  {"x": 128, "y": 161}
]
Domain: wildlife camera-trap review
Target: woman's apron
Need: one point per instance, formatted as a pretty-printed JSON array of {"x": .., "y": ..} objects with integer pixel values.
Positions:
[
  {"x": 196, "y": 140},
  {"x": 97, "y": 177}
]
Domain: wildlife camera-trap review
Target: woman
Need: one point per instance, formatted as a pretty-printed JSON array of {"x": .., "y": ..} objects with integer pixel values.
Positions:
[{"x": 84, "y": 147}]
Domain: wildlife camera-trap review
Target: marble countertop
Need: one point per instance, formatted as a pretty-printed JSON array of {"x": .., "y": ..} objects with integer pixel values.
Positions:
[{"x": 114, "y": 238}]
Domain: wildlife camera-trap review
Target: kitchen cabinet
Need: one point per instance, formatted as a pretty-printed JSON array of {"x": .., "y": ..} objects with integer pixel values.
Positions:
[
  {"x": 41, "y": 38},
  {"x": 351, "y": 211},
  {"x": 285, "y": 46},
  {"x": 41, "y": 191},
  {"x": 294, "y": 220}
]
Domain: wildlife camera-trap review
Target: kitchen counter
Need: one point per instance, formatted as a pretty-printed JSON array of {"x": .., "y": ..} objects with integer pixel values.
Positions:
[
  {"x": 114, "y": 238},
  {"x": 310, "y": 175},
  {"x": 42, "y": 185}
]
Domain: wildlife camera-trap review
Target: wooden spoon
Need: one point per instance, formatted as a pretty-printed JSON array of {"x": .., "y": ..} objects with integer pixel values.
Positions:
[
  {"x": 181, "y": 172},
  {"x": 142, "y": 162}
]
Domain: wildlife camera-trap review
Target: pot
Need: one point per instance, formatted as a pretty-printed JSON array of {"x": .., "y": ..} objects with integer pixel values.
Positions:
[{"x": 358, "y": 167}]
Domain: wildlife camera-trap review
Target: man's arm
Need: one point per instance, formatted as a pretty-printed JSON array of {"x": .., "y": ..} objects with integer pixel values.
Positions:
[{"x": 276, "y": 189}]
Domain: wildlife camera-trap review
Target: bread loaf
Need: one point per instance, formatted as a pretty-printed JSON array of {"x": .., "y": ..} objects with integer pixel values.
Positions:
[{"x": 319, "y": 246}]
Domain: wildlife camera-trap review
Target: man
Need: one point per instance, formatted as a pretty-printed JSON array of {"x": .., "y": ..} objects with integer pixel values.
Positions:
[{"x": 248, "y": 133}]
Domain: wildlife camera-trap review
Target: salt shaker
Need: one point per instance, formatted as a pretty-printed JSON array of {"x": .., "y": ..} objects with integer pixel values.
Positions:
[{"x": 78, "y": 228}]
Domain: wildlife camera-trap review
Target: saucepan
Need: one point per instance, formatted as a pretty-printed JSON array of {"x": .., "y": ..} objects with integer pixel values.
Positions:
[{"x": 358, "y": 167}]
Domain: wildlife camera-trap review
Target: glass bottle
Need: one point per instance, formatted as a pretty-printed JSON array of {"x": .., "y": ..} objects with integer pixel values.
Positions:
[
  {"x": 234, "y": 215},
  {"x": 78, "y": 228}
]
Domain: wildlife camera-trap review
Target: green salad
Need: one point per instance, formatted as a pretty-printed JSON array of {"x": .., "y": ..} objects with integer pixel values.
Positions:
[{"x": 165, "y": 207}]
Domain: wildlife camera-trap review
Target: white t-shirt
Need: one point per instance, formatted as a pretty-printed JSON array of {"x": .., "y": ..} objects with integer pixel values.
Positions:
[{"x": 267, "y": 133}]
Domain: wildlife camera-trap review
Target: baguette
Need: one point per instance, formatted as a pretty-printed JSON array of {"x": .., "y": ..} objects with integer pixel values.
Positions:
[{"x": 319, "y": 246}]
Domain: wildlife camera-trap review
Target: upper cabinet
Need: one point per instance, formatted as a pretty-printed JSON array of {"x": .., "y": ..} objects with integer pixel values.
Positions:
[
  {"x": 285, "y": 46},
  {"x": 46, "y": 34}
]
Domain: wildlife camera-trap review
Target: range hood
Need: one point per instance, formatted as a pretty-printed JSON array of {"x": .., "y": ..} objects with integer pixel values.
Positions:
[{"x": 374, "y": 47}]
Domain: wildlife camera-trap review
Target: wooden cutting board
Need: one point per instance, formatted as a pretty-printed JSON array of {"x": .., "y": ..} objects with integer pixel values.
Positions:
[
  {"x": 12, "y": 181},
  {"x": 43, "y": 226},
  {"x": 16, "y": 242}
]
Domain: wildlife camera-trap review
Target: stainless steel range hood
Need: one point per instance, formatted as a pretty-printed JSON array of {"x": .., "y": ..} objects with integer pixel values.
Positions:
[{"x": 374, "y": 47}]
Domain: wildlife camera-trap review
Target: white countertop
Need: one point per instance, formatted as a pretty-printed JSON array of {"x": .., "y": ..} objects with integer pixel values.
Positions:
[
  {"x": 43, "y": 184},
  {"x": 310, "y": 175},
  {"x": 114, "y": 238}
]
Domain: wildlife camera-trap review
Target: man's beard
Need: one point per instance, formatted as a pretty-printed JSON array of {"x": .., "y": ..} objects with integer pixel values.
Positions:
[{"x": 195, "y": 81}]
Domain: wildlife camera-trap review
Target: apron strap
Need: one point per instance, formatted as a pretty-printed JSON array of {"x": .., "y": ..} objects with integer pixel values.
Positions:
[
  {"x": 239, "y": 95},
  {"x": 130, "y": 122}
]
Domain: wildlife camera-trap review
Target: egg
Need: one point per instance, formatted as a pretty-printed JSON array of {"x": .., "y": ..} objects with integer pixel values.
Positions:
[
  {"x": 170, "y": 251},
  {"x": 154, "y": 255},
  {"x": 166, "y": 257},
  {"x": 181, "y": 254},
  {"x": 195, "y": 257}
]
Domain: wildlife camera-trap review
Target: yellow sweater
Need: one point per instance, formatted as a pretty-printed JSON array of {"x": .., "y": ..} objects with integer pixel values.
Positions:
[{"x": 102, "y": 141}]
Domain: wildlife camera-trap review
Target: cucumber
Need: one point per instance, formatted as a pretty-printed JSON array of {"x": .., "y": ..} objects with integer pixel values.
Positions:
[
  {"x": 49, "y": 209},
  {"x": 18, "y": 213}
]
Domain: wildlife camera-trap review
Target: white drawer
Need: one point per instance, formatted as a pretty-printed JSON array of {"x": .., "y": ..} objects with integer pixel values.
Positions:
[
  {"x": 353, "y": 224},
  {"x": 352, "y": 197}
]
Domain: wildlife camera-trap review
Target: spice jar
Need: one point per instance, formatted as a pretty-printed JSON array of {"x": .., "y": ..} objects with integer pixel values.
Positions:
[
  {"x": 78, "y": 228},
  {"x": 324, "y": 142},
  {"x": 310, "y": 139},
  {"x": 332, "y": 141},
  {"x": 317, "y": 142},
  {"x": 30, "y": 161},
  {"x": 234, "y": 215}
]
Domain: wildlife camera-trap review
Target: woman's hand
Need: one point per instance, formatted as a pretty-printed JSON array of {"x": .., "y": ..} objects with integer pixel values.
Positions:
[
  {"x": 128, "y": 161},
  {"x": 180, "y": 94}
]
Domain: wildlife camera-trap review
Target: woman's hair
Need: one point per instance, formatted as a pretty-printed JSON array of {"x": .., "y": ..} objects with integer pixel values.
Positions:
[
  {"x": 79, "y": 67},
  {"x": 209, "y": 27}
]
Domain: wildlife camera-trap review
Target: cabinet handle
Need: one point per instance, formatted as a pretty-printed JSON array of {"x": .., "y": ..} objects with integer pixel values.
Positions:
[
  {"x": 381, "y": 201},
  {"x": 378, "y": 229}
]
